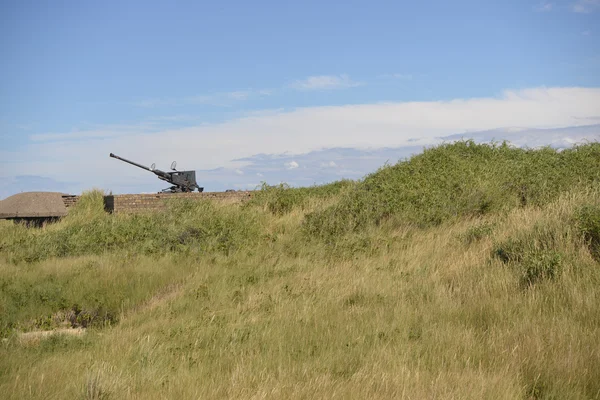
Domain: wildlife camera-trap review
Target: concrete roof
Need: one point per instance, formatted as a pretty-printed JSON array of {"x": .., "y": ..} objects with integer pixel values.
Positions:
[{"x": 33, "y": 204}]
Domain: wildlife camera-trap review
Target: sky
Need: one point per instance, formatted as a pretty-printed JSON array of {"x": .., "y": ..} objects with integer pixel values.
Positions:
[{"x": 270, "y": 91}]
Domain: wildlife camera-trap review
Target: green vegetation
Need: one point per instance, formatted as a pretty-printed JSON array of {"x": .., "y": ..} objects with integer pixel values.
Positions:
[
  {"x": 458, "y": 180},
  {"x": 469, "y": 271},
  {"x": 588, "y": 221},
  {"x": 90, "y": 230}
]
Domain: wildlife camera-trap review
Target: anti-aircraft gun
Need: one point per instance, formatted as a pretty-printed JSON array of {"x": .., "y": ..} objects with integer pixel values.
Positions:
[{"x": 182, "y": 181}]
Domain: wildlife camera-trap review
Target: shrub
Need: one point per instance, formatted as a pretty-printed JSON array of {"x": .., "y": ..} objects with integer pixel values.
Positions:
[
  {"x": 534, "y": 254},
  {"x": 538, "y": 266},
  {"x": 455, "y": 180},
  {"x": 587, "y": 220}
]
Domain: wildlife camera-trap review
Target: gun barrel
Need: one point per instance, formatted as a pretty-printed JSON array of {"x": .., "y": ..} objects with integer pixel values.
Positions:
[
  {"x": 182, "y": 181},
  {"x": 130, "y": 162}
]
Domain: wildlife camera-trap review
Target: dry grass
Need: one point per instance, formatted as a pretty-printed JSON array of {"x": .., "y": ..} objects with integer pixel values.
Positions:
[{"x": 414, "y": 283}]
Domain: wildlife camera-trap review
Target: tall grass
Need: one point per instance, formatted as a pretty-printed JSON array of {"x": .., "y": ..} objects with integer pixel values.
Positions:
[{"x": 228, "y": 301}]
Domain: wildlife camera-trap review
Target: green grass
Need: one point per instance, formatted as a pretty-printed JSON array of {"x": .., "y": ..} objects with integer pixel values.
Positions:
[{"x": 470, "y": 271}]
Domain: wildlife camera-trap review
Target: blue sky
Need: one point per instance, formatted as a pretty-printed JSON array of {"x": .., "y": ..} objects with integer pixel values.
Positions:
[{"x": 213, "y": 84}]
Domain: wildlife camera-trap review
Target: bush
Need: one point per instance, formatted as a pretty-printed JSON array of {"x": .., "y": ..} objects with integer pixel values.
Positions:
[
  {"x": 534, "y": 254},
  {"x": 587, "y": 220},
  {"x": 456, "y": 180},
  {"x": 539, "y": 266}
]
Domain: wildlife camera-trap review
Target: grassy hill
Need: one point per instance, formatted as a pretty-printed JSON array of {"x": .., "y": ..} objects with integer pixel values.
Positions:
[{"x": 468, "y": 271}]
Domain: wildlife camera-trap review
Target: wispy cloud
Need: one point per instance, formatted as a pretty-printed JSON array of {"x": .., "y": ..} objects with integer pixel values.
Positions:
[
  {"x": 89, "y": 132},
  {"x": 239, "y": 95},
  {"x": 330, "y": 164},
  {"x": 325, "y": 82},
  {"x": 300, "y": 131},
  {"x": 586, "y": 6},
  {"x": 174, "y": 118},
  {"x": 544, "y": 6},
  {"x": 266, "y": 92},
  {"x": 229, "y": 99},
  {"x": 222, "y": 99},
  {"x": 398, "y": 76},
  {"x": 154, "y": 102}
]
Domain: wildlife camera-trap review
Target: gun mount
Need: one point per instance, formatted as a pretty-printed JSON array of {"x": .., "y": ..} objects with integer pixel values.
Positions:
[{"x": 182, "y": 181}]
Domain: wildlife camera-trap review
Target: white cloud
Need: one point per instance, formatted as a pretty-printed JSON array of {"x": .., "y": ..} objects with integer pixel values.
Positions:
[
  {"x": 173, "y": 118},
  {"x": 239, "y": 172},
  {"x": 83, "y": 155},
  {"x": 153, "y": 102},
  {"x": 586, "y": 6},
  {"x": 325, "y": 82},
  {"x": 291, "y": 165},
  {"x": 226, "y": 99},
  {"x": 87, "y": 132},
  {"x": 265, "y": 92},
  {"x": 398, "y": 76},
  {"x": 240, "y": 95},
  {"x": 544, "y": 6},
  {"x": 223, "y": 99},
  {"x": 402, "y": 76},
  {"x": 330, "y": 164}
]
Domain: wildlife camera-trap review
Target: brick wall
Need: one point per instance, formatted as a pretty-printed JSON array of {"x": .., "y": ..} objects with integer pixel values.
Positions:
[
  {"x": 70, "y": 200},
  {"x": 127, "y": 203}
]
